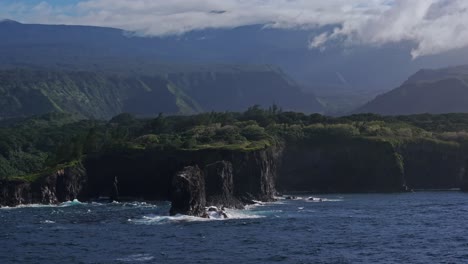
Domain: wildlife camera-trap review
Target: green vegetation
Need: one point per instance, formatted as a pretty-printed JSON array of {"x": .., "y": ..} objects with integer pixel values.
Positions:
[
  {"x": 34, "y": 145},
  {"x": 102, "y": 94},
  {"x": 89, "y": 94}
]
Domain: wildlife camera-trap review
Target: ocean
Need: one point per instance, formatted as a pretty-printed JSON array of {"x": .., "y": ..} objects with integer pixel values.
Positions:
[{"x": 421, "y": 227}]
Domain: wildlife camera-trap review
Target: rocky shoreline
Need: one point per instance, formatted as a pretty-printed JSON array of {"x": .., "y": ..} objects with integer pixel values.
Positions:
[
  {"x": 195, "y": 180},
  {"x": 191, "y": 180}
]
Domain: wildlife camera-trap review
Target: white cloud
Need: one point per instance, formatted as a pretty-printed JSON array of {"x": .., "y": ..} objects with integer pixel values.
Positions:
[{"x": 435, "y": 26}]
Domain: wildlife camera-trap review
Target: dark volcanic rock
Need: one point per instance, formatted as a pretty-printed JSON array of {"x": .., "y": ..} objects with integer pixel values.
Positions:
[
  {"x": 233, "y": 178},
  {"x": 62, "y": 185},
  {"x": 148, "y": 174},
  {"x": 219, "y": 185},
  {"x": 464, "y": 184},
  {"x": 255, "y": 174},
  {"x": 14, "y": 192},
  {"x": 464, "y": 181},
  {"x": 347, "y": 166},
  {"x": 132, "y": 174},
  {"x": 72, "y": 183},
  {"x": 431, "y": 165},
  {"x": 188, "y": 192}
]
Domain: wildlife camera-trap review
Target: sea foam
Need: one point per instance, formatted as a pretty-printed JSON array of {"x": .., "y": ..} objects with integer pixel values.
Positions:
[
  {"x": 75, "y": 202},
  {"x": 164, "y": 219},
  {"x": 136, "y": 258}
]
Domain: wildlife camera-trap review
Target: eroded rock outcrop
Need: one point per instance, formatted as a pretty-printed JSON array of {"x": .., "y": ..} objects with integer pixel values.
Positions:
[
  {"x": 14, "y": 192},
  {"x": 233, "y": 178},
  {"x": 188, "y": 192},
  {"x": 256, "y": 173},
  {"x": 62, "y": 185},
  {"x": 219, "y": 185}
]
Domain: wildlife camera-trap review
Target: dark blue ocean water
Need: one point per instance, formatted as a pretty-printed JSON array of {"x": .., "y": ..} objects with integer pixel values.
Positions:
[{"x": 374, "y": 228}]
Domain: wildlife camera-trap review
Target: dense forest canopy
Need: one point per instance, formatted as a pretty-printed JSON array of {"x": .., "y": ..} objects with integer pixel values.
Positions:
[{"x": 33, "y": 145}]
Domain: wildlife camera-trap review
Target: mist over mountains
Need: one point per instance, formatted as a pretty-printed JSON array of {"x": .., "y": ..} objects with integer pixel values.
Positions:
[
  {"x": 353, "y": 67},
  {"x": 343, "y": 79}
]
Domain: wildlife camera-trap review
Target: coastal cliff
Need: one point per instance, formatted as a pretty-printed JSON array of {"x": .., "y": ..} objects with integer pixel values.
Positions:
[
  {"x": 234, "y": 178},
  {"x": 351, "y": 165},
  {"x": 367, "y": 165},
  {"x": 219, "y": 185},
  {"x": 433, "y": 165},
  {"x": 241, "y": 158},
  {"x": 65, "y": 184}
]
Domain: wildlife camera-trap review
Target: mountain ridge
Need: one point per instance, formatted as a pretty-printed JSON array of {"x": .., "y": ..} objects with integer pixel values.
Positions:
[
  {"x": 103, "y": 94},
  {"x": 433, "y": 91},
  {"x": 9, "y": 21},
  {"x": 253, "y": 44}
]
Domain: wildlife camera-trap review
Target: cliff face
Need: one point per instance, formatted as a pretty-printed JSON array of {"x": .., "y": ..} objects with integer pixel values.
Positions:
[
  {"x": 15, "y": 192},
  {"x": 255, "y": 173},
  {"x": 432, "y": 165},
  {"x": 134, "y": 174},
  {"x": 239, "y": 178},
  {"x": 234, "y": 178},
  {"x": 62, "y": 185},
  {"x": 230, "y": 176},
  {"x": 464, "y": 182},
  {"x": 361, "y": 165},
  {"x": 354, "y": 165},
  {"x": 219, "y": 185}
]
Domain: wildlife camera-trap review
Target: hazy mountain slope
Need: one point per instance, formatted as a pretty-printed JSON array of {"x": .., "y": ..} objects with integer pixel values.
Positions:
[
  {"x": 96, "y": 95},
  {"x": 335, "y": 68},
  {"x": 25, "y": 92},
  {"x": 237, "y": 90},
  {"x": 428, "y": 91},
  {"x": 67, "y": 46}
]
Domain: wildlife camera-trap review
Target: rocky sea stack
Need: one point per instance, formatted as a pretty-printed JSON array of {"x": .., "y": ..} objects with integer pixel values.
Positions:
[{"x": 188, "y": 192}]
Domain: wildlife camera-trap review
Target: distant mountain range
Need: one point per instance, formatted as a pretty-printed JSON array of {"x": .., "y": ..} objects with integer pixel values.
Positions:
[
  {"x": 343, "y": 77},
  {"x": 427, "y": 91},
  {"x": 94, "y": 94},
  {"x": 215, "y": 69}
]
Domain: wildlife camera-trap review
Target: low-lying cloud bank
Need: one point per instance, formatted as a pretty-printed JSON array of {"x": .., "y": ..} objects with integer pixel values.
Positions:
[{"x": 435, "y": 26}]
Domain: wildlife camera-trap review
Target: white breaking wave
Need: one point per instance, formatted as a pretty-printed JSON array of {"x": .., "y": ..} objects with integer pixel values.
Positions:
[
  {"x": 136, "y": 258},
  {"x": 137, "y": 204},
  {"x": 332, "y": 200},
  {"x": 76, "y": 202},
  {"x": 47, "y": 222},
  {"x": 64, "y": 204},
  {"x": 27, "y": 206},
  {"x": 313, "y": 199},
  {"x": 71, "y": 203},
  {"x": 164, "y": 219},
  {"x": 158, "y": 219},
  {"x": 242, "y": 214}
]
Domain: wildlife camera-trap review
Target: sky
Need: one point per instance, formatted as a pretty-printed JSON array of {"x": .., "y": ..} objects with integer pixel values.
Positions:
[{"x": 434, "y": 26}]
